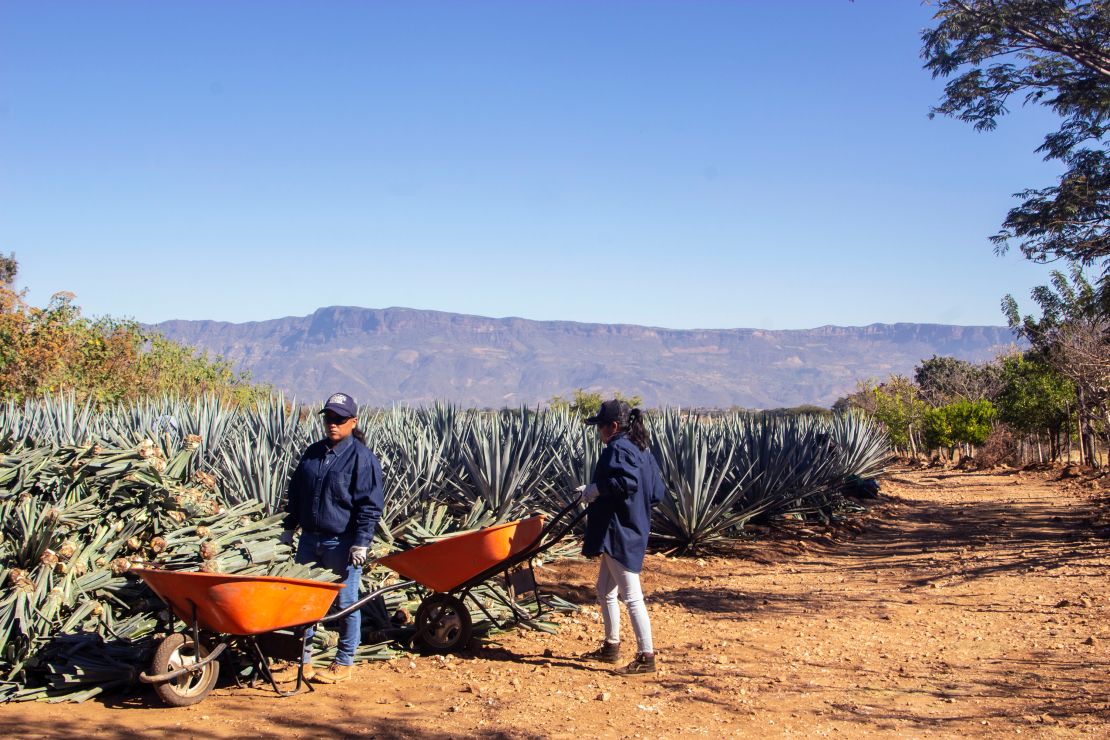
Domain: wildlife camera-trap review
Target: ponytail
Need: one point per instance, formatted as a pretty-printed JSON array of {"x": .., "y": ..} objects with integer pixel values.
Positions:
[
  {"x": 360, "y": 436},
  {"x": 637, "y": 432}
]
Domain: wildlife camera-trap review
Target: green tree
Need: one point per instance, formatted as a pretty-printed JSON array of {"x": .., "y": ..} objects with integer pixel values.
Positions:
[
  {"x": 1054, "y": 53},
  {"x": 805, "y": 409},
  {"x": 898, "y": 407},
  {"x": 9, "y": 268},
  {"x": 936, "y": 427},
  {"x": 1035, "y": 399},
  {"x": 972, "y": 421},
  {"x": 961, "y": 422},
  {"x": 942, "y": 380},
  {"x": 1073, "y": 335},
  {"x": 587, "y": 403},
  {"x": 44, "y": 350}
]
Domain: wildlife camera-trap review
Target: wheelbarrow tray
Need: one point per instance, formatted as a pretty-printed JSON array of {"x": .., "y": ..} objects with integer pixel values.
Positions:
[
  {"x": 241, "y": 605},
  {"x": 447, "y": 564}
]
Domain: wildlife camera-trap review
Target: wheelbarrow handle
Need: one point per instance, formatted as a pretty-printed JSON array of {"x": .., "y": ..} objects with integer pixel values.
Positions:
[
  {"x": 544, "y": 541},
  {"x": 365, "y": 600}
]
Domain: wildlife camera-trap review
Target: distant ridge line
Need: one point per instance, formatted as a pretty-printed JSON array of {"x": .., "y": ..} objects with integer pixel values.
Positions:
[{"x": 417, "y": 356}]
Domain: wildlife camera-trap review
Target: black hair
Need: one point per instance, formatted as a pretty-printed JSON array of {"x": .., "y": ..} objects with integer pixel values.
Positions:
[
  {"x": 359, "y": 435},
  {"x": 637, "y": 432}
]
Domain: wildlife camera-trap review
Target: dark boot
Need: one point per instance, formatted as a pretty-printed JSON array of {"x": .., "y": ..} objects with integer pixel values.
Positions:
[
  {"x": 643, "y": 663},
  {"x": 609, "y": 652}
]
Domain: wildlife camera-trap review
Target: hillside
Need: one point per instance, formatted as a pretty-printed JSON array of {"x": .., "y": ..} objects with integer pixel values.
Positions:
[{"x": 400, "y": 355}]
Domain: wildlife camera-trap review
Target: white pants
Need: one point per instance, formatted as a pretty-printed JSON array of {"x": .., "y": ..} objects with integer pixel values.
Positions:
[{"x": 615, "y": 581}]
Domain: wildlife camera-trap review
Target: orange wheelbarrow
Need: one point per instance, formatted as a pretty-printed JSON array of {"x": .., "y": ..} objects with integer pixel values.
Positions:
[
  {"x": 453, "y": 567},
  {"x": 266, "y": 617},
  {"x": 221, "y": 611}
]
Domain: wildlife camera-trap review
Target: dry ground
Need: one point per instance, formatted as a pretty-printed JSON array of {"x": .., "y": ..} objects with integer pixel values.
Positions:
[{"x": 967, "y": 604}]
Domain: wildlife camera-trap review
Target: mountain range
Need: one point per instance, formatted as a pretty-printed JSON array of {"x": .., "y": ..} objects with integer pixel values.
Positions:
[{"x": 407, "y": 356}]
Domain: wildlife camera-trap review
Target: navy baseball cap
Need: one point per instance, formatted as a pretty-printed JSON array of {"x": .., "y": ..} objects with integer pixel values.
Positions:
[
  {"x": 340, "y": 404},
  {"x": 609, "y": 412}
]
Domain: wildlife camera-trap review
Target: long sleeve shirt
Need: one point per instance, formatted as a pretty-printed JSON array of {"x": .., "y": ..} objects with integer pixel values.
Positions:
[
  {"x": 336, "y": 491},
  {"x": 618, "y": 522}
]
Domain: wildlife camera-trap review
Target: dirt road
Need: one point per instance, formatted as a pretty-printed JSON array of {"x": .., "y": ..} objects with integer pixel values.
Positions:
[{"x": 969, "y": 604}]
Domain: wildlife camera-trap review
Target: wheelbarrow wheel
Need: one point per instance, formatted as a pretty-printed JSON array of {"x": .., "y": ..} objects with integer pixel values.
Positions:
[
  {"x": 179, "y": 651},
  {"x": 443, "y": 623}
]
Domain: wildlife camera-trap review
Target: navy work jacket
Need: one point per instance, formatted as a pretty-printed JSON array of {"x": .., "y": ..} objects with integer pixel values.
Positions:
[
  {"x": 336, "y": 492},
  {"x": 619, "y": 520}
]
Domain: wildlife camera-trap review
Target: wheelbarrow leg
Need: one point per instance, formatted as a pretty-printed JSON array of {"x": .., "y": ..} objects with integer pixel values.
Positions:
[
  {"x": 527, "y": 579},
  {"x": 517, "y": 613},
  {"x": 477, "y": 602},
  {"x": 264, "y": 668}
]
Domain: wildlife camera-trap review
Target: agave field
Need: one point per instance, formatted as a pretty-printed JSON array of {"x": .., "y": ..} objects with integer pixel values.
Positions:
[{"x": 88, "y": 493}]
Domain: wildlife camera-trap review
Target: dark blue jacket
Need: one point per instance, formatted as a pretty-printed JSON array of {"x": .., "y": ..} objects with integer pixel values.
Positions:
[
  {"x": 340, "y": 495},
  {"x": 619, "y": 521}
]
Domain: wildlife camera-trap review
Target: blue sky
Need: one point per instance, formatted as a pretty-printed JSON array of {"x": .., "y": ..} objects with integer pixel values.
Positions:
[{"x": 682, "y": 164}]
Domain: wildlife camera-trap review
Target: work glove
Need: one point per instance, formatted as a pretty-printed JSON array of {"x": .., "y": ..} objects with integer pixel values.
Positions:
[
  {"x": 589, "y": 493},
  {"x": 358, "y": 555},
  {"x": 286, "y": 537}
]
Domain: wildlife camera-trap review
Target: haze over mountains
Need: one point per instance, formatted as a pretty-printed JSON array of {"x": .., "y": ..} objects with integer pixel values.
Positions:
[{"x": 407, "y": 356}]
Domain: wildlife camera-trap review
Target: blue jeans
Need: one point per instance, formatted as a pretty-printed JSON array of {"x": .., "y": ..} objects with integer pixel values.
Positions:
[{"x": 333, "y": 553}]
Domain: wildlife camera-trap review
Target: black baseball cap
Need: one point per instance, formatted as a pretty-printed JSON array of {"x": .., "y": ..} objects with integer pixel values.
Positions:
[
  {"x": 609, "y": 412},
  {"x": 340, "y": 404}
]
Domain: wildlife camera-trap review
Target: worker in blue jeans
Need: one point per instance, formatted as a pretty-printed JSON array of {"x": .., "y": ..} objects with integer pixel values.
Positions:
[{"x": 335, "y": 498}]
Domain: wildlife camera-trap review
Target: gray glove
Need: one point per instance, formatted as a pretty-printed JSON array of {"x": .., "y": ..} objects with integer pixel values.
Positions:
[
  {"x": 358, "y": 555},
  {"x": 286, "y": 537},
  {"x": 589, "y": 493}
]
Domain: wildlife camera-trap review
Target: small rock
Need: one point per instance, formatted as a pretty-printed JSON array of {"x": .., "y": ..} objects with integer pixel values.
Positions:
[
  {"x": 1092, "y": 640},
  {"x": 1062, "y": 603},
  {"x": 548, "y": 653},
  {"x": 604, "y": 696}
]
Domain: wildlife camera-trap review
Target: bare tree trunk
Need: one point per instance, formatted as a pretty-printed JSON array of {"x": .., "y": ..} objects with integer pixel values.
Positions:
[
  {"x": 1067, "y": 430},
  {"x": 1086, "y": 441}
]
